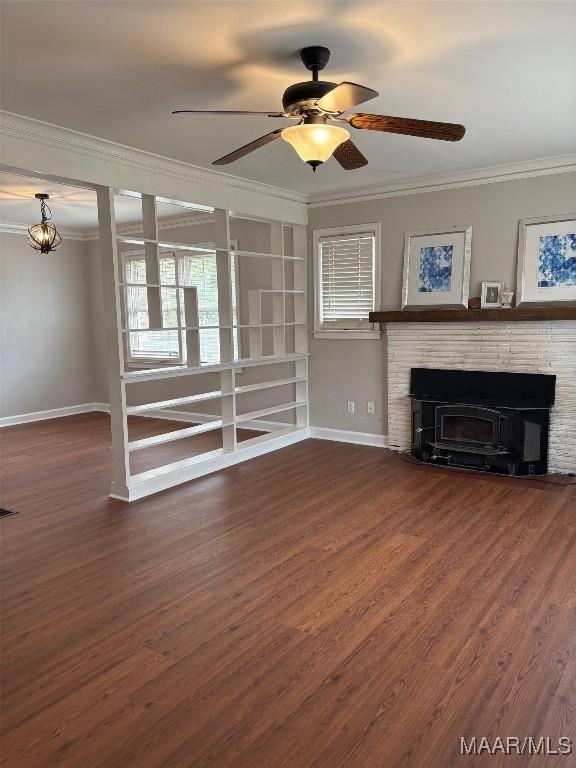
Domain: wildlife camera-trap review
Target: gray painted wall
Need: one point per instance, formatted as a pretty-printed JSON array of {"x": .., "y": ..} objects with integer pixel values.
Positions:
[
  {"x": 355, "y": 370},
  {"x": 53, "y": 351},
  {"x": 46, "y": 358}
]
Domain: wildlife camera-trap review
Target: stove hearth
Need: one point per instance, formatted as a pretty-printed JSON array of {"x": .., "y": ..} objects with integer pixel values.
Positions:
[{"x": 481, "y": 420}]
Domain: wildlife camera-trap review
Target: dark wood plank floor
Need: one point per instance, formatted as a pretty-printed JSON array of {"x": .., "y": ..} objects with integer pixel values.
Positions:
[{"x": 324, "y": 606}]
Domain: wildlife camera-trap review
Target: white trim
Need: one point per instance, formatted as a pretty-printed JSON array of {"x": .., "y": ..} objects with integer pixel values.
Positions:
[
  {"x": 358, "y": 326},
  {"x": 128, "y": 228},
  {"x": 418, "y": 185},
  {"x": 90, "y": 160},
  {"x": 189, "y": 219},
  {"x": 167, "y": 222},
  {"x": 347, "y": 436},
  {"x": 347, "y": 335},
  {"x": 13, "y": 228},
  {"x": 53, "y": 413},
  {"x": 25, "y": 141},
  {"x": 158, "y": 413},
  {"x": 237, "y": 365},
  {"x": 182, "y": 471},
  {"x": 204, "y": 418}
]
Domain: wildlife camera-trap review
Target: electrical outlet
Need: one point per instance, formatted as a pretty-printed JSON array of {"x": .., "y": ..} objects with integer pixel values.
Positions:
[
  {"x": 371, "y": 409},
  {"x": 351, "y": 406}
]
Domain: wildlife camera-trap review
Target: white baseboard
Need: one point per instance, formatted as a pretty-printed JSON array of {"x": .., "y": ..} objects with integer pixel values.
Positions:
[
  {"x": 321, "y": 433},
  {"x": 54, "y": 413},
  {"x": 169, "y": 415},
  {"x": 347, "y": 436}
]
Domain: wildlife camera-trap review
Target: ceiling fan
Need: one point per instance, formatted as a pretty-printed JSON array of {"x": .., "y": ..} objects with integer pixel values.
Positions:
[{"x": 314, "y": 103}]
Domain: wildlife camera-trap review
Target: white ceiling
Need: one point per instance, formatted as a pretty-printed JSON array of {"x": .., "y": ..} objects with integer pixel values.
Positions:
[
  {"x": 73, "y": 209},
  {"x": 117, "y": 69}
]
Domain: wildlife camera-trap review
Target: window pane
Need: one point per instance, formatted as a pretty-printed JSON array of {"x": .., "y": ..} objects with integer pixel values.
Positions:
[
  {"x": 160, "y": 344},
  {"x": 137, "y": 307},
  {"x": 167, "y": 270},
  {"x": 197, "y": 270},
  {"x": 347, "y": 277},
  {"x": 135, "y": 271},
  {"x": 169, "y": 307},
  {"x": 201, "y": 271}
]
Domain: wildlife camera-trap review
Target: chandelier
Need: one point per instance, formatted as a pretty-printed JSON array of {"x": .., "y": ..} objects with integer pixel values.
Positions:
[{"x": 44, "y": 237}]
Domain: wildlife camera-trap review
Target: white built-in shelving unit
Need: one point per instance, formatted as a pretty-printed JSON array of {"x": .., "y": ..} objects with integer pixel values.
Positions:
[{"x": 275, "y": 335}]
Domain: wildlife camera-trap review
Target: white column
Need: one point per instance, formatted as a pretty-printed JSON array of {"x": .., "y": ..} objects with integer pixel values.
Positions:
[
  {"x": 255, "y": 323},
  {"x": 300, "y": 316},
  {"x": 191, "y": 321},
  {"x": 150, "y": 230},
  {"x": 113, "y": 319},
  {"x": 228, "y": 387},
  {"x": 300, "y": 307},
  {"x": 222, "y": 241},
  {"x": 278, "y": 298}
]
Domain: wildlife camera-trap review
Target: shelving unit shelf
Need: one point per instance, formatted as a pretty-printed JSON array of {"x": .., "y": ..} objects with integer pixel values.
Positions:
[{"x": 250, "y": 389}]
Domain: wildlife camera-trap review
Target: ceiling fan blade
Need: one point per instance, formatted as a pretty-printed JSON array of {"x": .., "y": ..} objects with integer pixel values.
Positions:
[
  {"x": 224, "y": 112},
  {"x": 349, "y": 156},
  {"x": 405, "y": 125},
  {"x": 247, "y": 148},
  {"x": 345, "y": 96}
]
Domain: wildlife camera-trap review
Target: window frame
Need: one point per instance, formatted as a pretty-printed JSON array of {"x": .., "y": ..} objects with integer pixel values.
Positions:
[
  {"x": 352, "y": 328},
  {"x": 141, "y": 361}
]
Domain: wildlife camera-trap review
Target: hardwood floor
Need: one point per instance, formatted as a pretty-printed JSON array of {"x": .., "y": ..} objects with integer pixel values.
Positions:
[{"x": 324, "y": 606}]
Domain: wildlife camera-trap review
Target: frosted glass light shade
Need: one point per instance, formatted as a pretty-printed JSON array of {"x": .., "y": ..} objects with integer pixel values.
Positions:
[{"x": 315, "y": 143}]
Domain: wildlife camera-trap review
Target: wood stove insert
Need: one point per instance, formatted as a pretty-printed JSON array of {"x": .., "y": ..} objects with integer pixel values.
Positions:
[{"x": 482, "y": 420}]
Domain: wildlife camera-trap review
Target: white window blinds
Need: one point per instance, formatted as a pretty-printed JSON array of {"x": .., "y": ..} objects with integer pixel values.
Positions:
[{"x": 347, "y": 279}]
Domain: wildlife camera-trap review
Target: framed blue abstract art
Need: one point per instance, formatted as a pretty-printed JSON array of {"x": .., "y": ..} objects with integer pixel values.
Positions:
[
  {"x": 437, "y": 268},
  {"x": 547, "y": 260}
]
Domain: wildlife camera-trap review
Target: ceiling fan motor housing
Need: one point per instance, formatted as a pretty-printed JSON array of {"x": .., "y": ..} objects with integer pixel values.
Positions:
[{"x": 302, "y": 96}]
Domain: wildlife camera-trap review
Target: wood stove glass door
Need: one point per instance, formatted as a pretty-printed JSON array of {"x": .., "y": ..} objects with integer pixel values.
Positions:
[{"x": 468, "y": 425}]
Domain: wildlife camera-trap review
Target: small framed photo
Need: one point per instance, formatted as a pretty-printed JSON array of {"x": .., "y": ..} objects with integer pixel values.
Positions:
[
  {"x": 547, "y": 260},
  {"x": 490, "y": 298},
  {"x": 437, "y": 268}
]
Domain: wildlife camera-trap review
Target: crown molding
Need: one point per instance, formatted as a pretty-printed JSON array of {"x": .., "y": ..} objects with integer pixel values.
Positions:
[
  {"x": 28, "y": 132},
  {"x": 99, "y": 153},
  {"x": 172, "y": 222},
  {"x": 127, "y": 228},
  {"x": 414, "y": 186},
  {"x": 166, "y": 222},
  {"x": 14, "y": 228}
]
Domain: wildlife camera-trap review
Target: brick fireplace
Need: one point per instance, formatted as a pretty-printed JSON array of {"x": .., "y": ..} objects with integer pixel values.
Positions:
[{"x": 545, "y": 347}]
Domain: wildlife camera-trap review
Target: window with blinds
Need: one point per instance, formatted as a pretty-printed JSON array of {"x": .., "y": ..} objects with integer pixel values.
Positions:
[
  {"x": 347, "y": 280},
  {"x": 177, "y": 271}
]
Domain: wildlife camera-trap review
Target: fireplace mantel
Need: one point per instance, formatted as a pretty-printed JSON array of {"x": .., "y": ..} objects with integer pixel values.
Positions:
[{"x": 520, "y": 314}]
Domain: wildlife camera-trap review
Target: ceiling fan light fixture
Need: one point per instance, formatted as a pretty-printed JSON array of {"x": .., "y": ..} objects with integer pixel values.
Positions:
[
  {"x": 314, "y": 144},
  {"x": 44, "y": 237},
  {"x": 313, "y": 103}
]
